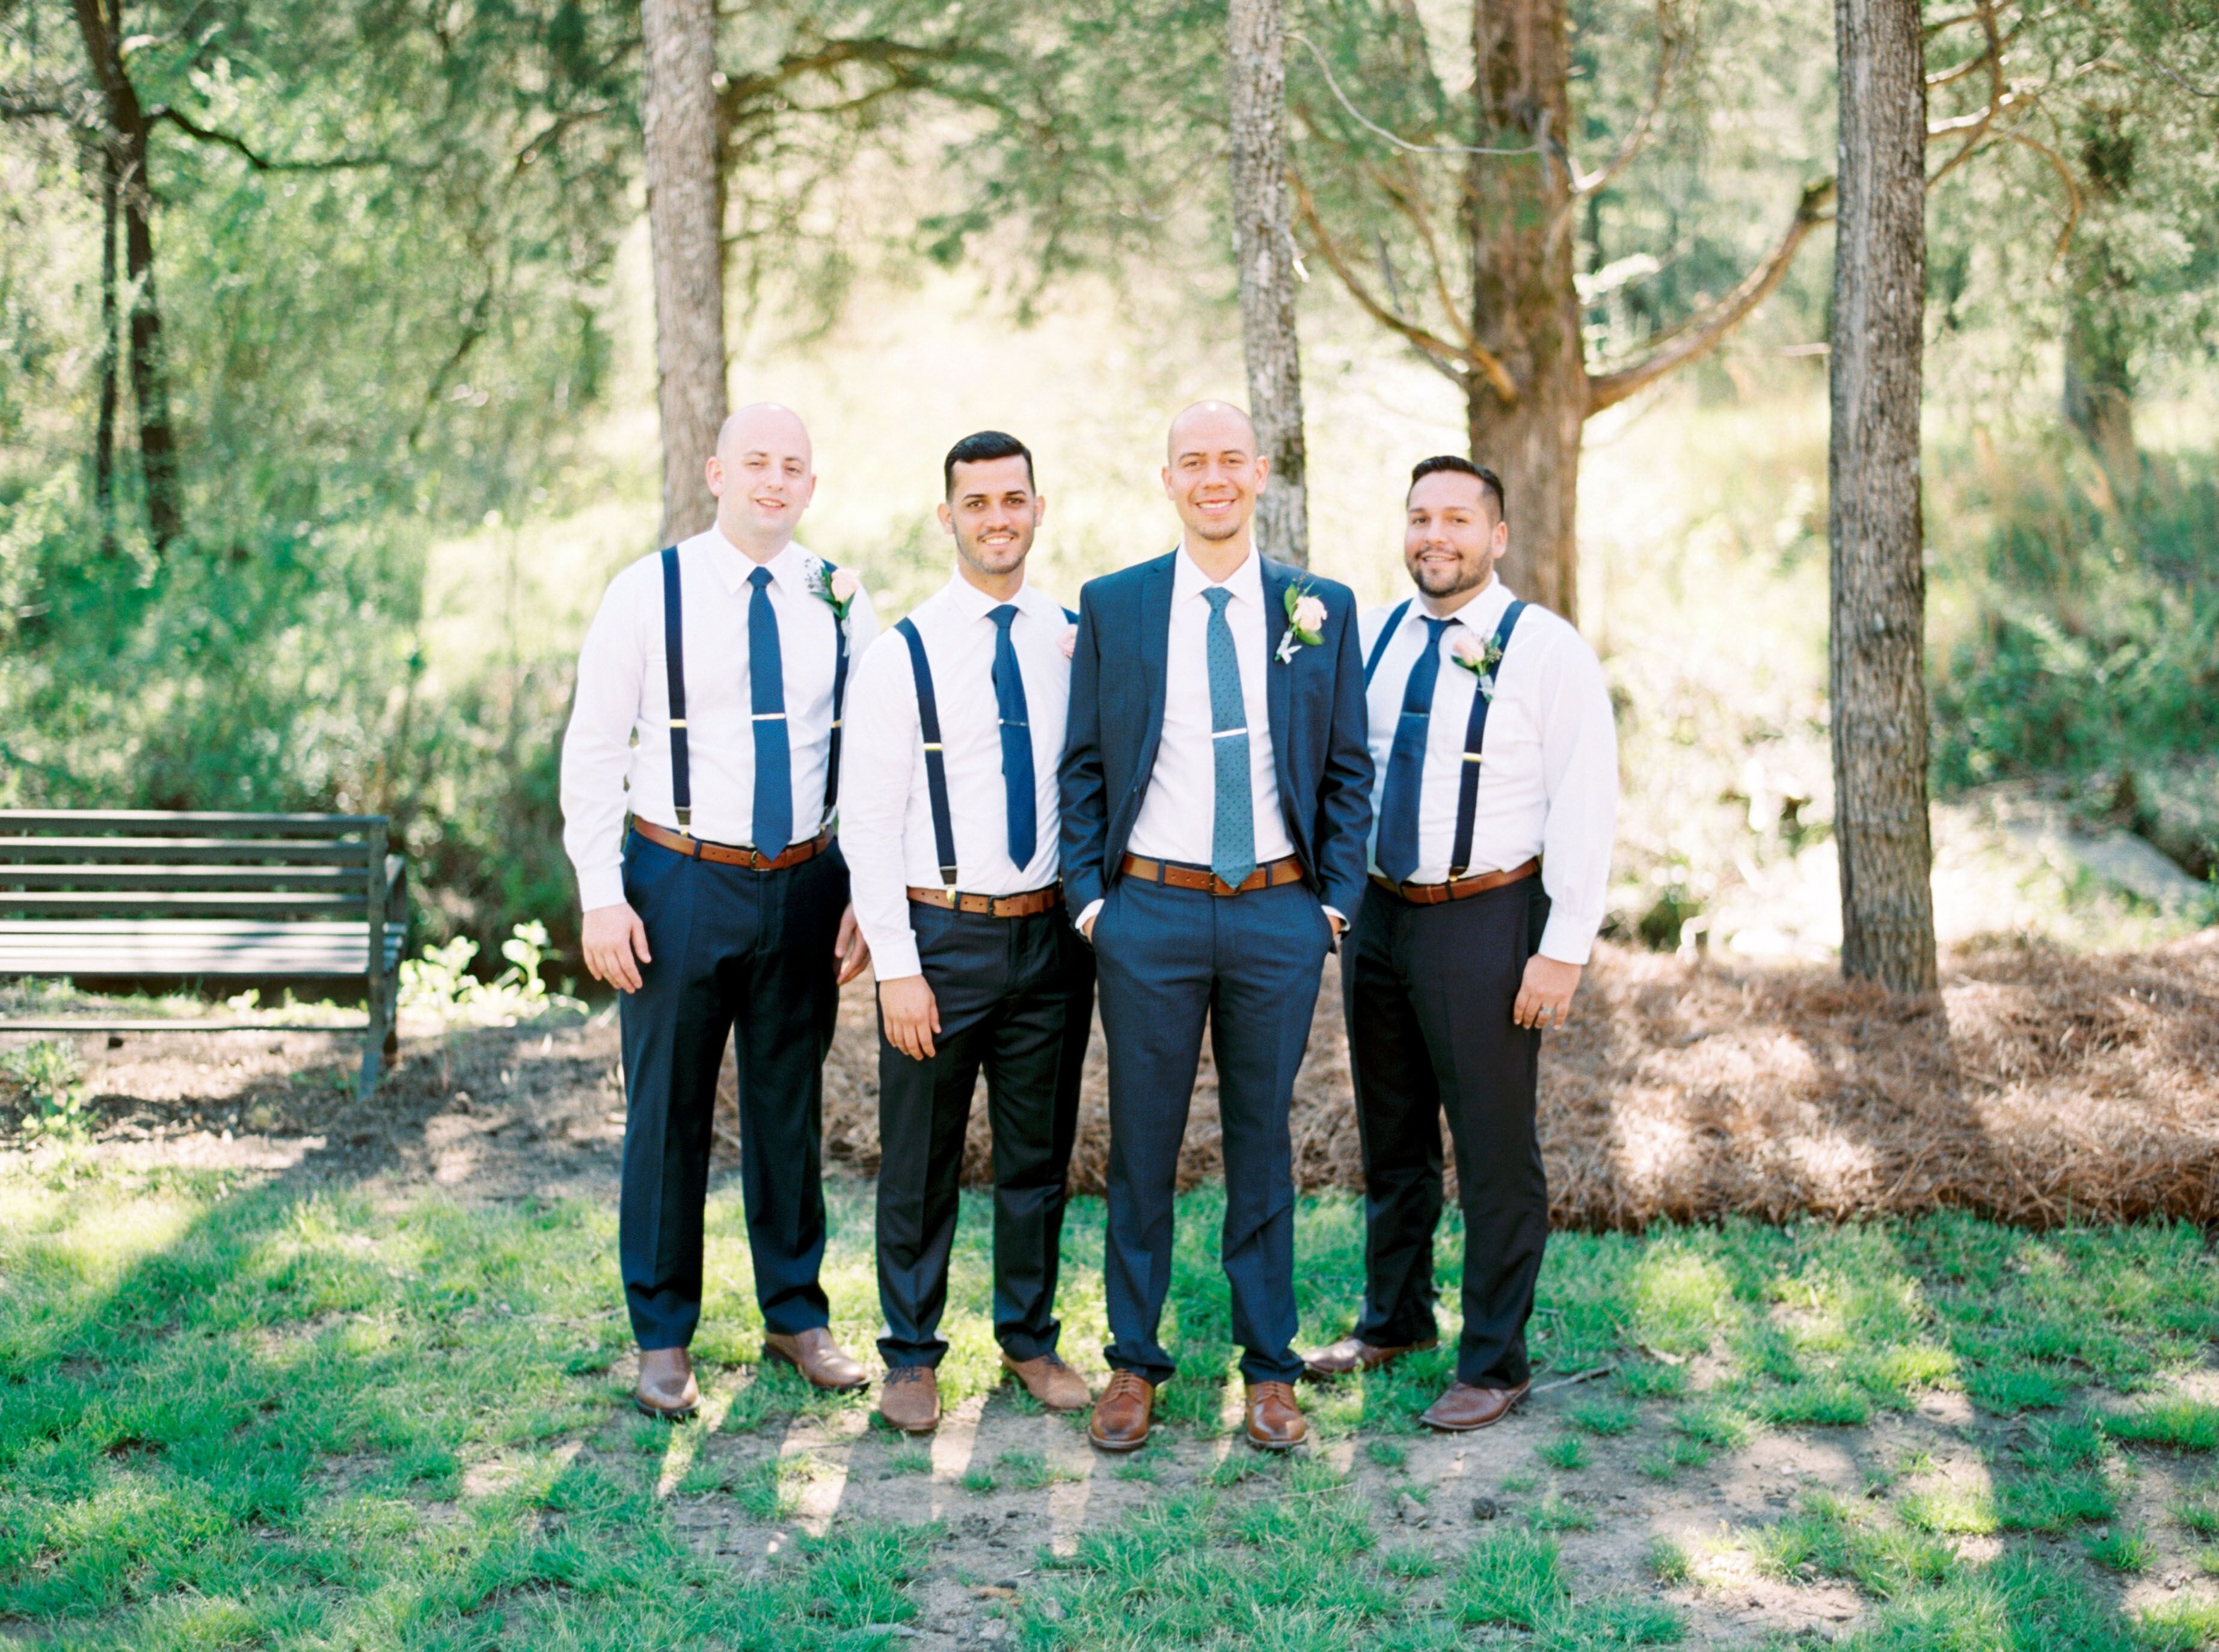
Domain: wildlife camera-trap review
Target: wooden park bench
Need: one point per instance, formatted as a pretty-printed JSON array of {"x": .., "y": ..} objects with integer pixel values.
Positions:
[{"x": 133, "y": 894}]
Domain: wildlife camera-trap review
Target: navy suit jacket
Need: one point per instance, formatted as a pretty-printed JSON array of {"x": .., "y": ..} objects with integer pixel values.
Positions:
[{"x": 1321, "y": 731}]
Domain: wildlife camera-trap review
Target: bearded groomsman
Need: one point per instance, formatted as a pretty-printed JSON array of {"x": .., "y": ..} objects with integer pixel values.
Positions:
[
  {"x": 1498, "y": 764},
  {"x": 1216, "y": 795},
  {"x": 708, "y": 707},
  {"x": 949, "y": 822}
]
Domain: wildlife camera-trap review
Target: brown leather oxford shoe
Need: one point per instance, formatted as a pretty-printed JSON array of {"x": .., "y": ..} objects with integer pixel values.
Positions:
[
  {"x": 1124, "y": 1413},
  {"x": 816, "y": 1356},
  {"x": 1275, "y": 1420},
  {"x": 1353, "y": 1354},
  {"x": 1464, "y": 1407},
  {"x": 1049, "y": 1381},
  {"x": 666, "y": 1388},
  {"x": 910, "y": 1399}
]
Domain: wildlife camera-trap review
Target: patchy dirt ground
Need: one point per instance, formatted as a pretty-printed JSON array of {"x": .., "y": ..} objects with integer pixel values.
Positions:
[
  {"x": 1687, "y": 1089},
  {"x": 2040, "y": 1082}
]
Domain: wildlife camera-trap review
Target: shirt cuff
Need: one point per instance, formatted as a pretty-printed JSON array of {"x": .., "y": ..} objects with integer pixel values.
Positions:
[
  {"x": 1086, "y": 915},
  {"x": 603, "y": 886},
  {"x": 897, "y": 959},
  {"x": 1567, "y": 939}
]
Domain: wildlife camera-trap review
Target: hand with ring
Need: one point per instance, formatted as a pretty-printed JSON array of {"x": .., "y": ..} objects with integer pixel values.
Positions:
[{"x": 1545, "y": 997}]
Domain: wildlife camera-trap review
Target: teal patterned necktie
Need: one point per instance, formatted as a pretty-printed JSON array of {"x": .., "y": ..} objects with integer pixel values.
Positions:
[{"x": 1232, "y": 845}]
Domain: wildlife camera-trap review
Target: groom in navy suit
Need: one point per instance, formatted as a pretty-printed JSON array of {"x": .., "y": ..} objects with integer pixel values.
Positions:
[{"x": 1217, "y": 800}]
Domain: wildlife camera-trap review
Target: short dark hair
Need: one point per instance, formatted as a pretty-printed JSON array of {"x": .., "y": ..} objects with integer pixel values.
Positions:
[
  {"x": 977, "y": 449},
  {"x": 1489, "y": 482}
]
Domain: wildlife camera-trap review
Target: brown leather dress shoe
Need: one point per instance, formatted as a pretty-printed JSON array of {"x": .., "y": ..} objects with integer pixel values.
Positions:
[
  {"x": 1051, "y": 1382},
  {"x": 1124, "y": 1413},
  {"x": 816, "y": 1356},
  {"x": 1464, "y": 1407},
  {"x": 910, "y": 1399},
  {"x": 1275, "y": 1421},
  {"x": 666, "y": 1388},
  {"x": 1353, "y": 1354}
]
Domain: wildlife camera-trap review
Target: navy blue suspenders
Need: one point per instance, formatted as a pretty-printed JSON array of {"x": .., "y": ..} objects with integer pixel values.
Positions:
[
  {"x": 935, "y": 759},
  {"x": 674, "y": 666},
  {"x": 1473, "y": 731},
  {"x": 1386, "y": 636}
]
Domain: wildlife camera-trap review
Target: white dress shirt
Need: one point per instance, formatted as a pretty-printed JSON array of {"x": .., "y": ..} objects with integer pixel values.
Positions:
[
  {"x": 886, "y": 804},
  {"x": 1548, "y": 781},
  {"x": 1179, "y": 816},
  {"x": 616, "y": 756}
]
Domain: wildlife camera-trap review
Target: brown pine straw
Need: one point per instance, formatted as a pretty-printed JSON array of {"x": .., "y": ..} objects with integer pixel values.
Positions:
[{"x": 2041, "y": 1087}]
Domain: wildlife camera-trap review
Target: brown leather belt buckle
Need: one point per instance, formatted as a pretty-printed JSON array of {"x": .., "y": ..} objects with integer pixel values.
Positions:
[
  {"x": 1173, "y": 875},
  {"x": 1457, "y": 889},
  {"x": 1024, "y": 905},
  {"x": 733, "y": 854}
]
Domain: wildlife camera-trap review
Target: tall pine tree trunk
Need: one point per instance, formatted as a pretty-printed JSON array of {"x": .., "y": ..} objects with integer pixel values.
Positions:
[
  {"x": 2099, "y": 378},
  {"x": 685, "y": 211},
  {"x": 150, "y": 381},
  {"x": 1263, "y": 244},
  {"x": 103, "y": 435},
  {"x": 1524, "y": 304},
  {"x": 1877, "y": 653}
]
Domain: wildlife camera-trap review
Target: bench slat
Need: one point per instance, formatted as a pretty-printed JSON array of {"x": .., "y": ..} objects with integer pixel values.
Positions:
[
  {"x": 170, "y": 946},
  {"x": 210, "y": 905},
  {"x": 302, "y": 851},
  {"x": 190, "y": 822},
  {"x": 181, "y": 878}
]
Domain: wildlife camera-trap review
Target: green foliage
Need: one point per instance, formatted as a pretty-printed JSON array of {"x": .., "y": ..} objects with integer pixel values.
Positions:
[
  {"x": 2087, "y": 626},
  {"x": 440, "y": 981},
  {"x": 49, "y": 1073}
]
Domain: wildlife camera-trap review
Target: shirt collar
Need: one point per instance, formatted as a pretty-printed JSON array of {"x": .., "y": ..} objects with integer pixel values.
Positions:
[
  {"x": 790, "y": 568},
  {"x": 972, "y": 603},
  {"x": 1246, "y": 581},
  {"x": 1483, "y": 613}
]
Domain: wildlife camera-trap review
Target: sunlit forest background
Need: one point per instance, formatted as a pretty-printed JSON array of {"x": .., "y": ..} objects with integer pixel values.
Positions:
[{"x": 399, "y": 261}]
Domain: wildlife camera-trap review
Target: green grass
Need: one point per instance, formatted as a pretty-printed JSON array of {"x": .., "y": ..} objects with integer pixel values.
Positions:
[{"x": 288, "y": 1416}]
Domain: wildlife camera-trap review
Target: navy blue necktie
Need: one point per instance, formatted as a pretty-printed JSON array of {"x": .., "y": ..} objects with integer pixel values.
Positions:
[
  {"x": 1233, "y": 839},
  {"x": 1016, "y": 740},
  {"x": 1406, "y": 763},
  {"x": 774, "y": 811}
]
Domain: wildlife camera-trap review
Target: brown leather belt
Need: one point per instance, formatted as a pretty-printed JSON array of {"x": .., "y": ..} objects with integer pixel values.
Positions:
[
  {"x": 992, "y": 906},
  {"x": 1461, "y": 889},
  {"x": 728, "y": 854},
  {"x": 1270, "y": 875}
]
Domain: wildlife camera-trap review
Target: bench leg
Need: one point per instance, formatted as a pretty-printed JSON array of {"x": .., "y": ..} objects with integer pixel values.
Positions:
[{"x": 381, "y": 1041}]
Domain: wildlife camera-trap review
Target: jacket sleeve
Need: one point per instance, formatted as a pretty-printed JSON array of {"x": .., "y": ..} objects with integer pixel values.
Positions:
[
  {"x": 1085, "y": 796},
  {"x": 1344, "y": 806}
]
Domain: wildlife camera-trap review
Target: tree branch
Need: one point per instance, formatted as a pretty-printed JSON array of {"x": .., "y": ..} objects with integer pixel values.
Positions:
[
  {"x": 1436, "y": 350},
  {"x": 1667, "y": 45},
  {"x": 1706, "y": 332},
  {"x": 256, "y": 159}
]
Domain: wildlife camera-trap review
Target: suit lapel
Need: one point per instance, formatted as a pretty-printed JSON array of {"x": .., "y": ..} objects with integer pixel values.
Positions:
[
  {"x": 1276, "y": 578},
  {"x": 1155, "y": 654}
]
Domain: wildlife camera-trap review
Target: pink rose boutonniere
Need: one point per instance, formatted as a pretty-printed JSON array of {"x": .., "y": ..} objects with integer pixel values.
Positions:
[
  {"x": 1069, "y": 641},
  {"x": 1305, "y": 622},
  {"x": 837, "y": 586},
  {"x": 1479, "y": 657}
]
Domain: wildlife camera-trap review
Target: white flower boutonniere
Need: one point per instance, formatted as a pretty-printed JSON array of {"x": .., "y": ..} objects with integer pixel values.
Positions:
[
  {"x": 1305, "y": 621},
  {"x": 1480, "y": 658},
  {"x": 836, "y": 587}
]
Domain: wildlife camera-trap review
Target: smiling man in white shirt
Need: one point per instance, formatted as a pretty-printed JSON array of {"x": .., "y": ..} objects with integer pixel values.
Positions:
[
  {"x": 708, "y": 709},
  {"x": 1497, "y": 758},
  {"x": 1216, "y": 792},
  {"x": 948, "y": 823}
]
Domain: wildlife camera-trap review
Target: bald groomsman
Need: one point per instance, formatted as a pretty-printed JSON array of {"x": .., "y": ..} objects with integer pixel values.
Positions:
[
  {"x": 1498, "y": 795},
  {"x": 709, "y": 701},
  {"x": 1216, "y": 794},
  {"x": 947, "y": 817}
]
